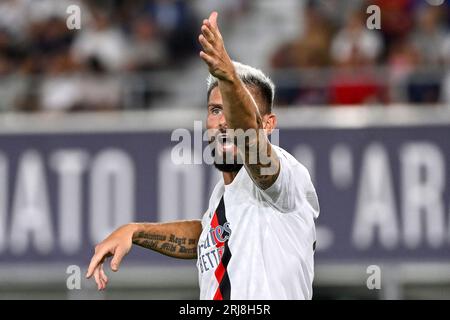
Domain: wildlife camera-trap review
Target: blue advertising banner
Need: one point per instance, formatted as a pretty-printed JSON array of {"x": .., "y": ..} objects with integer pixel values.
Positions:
[{"x": 384, "y": 192}]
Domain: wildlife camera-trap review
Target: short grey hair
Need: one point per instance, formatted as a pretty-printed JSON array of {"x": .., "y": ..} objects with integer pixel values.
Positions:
[{"x": 253, "y": 77}]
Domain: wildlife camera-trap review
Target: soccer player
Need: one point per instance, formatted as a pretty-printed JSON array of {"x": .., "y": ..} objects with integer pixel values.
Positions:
[{"x": 257, "y": 238}]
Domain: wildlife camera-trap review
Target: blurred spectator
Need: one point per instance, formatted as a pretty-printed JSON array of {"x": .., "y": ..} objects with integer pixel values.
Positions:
[
  {"x": 311, "y": 50},
  {"x": 99, "y": 90},
  {"x": 66, "y": 91},
  {"x": 50, "y": 36},
  {"x": 13, "y": 16},
  {"x": 10, "y": 52},
  {"x": 38, "y": 11},
  {"x": 178, "y": 24},
  {"x": 60, "y": 91},
  {"x": 147, "y": 50},
  {"x": 445, "y": 55},
  {"x": 229, "y": 10},
  {"x": 397, "y": 19},
  {"x": 354, "y": 43},
  {"x": 338, "y": 11},
  {"x": 334, "y": 58},
  {"x": 101, "y": 40},
  {"x": 424, "y": 84},
  {"x": 354, "y": 50},
  {"x": 429, "y": 34},
  {"x": 11, "y": 86},
  {"x": 403, "y": 59},
  {"x": 445, "y": 95}
]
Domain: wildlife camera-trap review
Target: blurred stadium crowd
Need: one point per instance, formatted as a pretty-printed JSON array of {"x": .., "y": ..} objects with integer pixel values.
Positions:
[{"x": 131, "y": 54}]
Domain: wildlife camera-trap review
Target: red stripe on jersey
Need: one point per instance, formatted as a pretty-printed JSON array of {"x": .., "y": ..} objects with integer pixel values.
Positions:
[
  {"x": 218, "y": 295},
  {"x": 219, "y": 271},
  {"x": 224, "y": 286}
]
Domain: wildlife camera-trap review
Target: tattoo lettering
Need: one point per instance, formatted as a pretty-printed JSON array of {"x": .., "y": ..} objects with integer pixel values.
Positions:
[
  {"x": 151, "y": 236},
  {"x": 176, "y": 240},
  {"x": 168, "y": 247},
  {"x": 188, "y": 250},
  {"x": 149, "y": 244}
]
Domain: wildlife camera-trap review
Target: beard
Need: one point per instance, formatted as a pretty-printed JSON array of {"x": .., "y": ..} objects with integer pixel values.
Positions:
[{"x": 226, "y": 167}]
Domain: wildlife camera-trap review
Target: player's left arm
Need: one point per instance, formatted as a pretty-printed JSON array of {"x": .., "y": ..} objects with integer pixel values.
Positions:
[{"x": 239, "y": 107}]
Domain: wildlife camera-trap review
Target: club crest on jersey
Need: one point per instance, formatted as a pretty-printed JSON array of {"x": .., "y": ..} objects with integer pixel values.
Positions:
[
  {"x": 218, "y": 235},
  {"x": 210, "y": 250}
]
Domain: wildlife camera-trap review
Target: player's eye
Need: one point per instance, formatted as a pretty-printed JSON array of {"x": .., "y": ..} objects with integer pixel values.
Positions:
[{"x": 216, "y": 110}]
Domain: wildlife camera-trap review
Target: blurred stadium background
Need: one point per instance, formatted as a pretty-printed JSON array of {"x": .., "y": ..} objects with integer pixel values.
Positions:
[{"x": 87, "y": 115}]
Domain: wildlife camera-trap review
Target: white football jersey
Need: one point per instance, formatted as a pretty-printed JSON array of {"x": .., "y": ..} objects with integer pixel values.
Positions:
[{"x": 259, "y": 244}]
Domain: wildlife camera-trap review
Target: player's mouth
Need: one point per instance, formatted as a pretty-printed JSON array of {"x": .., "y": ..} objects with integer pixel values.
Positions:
[{"x": 225, "y": 142}]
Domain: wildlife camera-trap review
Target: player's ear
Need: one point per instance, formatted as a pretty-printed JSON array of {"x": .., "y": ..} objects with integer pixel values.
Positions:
[{"x": 269, "y": 122}]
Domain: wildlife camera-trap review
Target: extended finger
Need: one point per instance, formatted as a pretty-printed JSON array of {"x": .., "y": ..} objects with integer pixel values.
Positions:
[
  {"x": 212, "y": 26},
  {"x": 96, "y": 259},
  {"x": 206, "y": 45},
  {"x": 92, "y": 265},
  {"x": 103, "y": 275},
  {"x": 208, "y": 59},
  {"x": 213, "y": 19},
  {"x": 98, "y": 281},
  {"x": 209, "y": 35}
]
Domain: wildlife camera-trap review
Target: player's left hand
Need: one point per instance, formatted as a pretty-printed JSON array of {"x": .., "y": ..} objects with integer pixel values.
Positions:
[{"x": 214, "y": 53}]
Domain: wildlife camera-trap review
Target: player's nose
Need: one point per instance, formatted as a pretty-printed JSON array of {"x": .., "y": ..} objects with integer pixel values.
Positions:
[{"x": 223, "y": 123}]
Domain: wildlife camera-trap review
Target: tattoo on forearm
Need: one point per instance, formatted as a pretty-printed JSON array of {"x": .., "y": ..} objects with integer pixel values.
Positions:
[
  {"x": 174, "y": 246},
  {"x": 176, "y": 240},
  {"x": 149, "y": 244},
  {"x": 168, "y": 247},
  {"x": 188, "y": 250},
  {"x": 151, "y": 236}
]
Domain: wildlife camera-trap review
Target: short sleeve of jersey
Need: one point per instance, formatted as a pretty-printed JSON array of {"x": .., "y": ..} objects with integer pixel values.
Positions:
[{"x": 292, "y": 187}]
